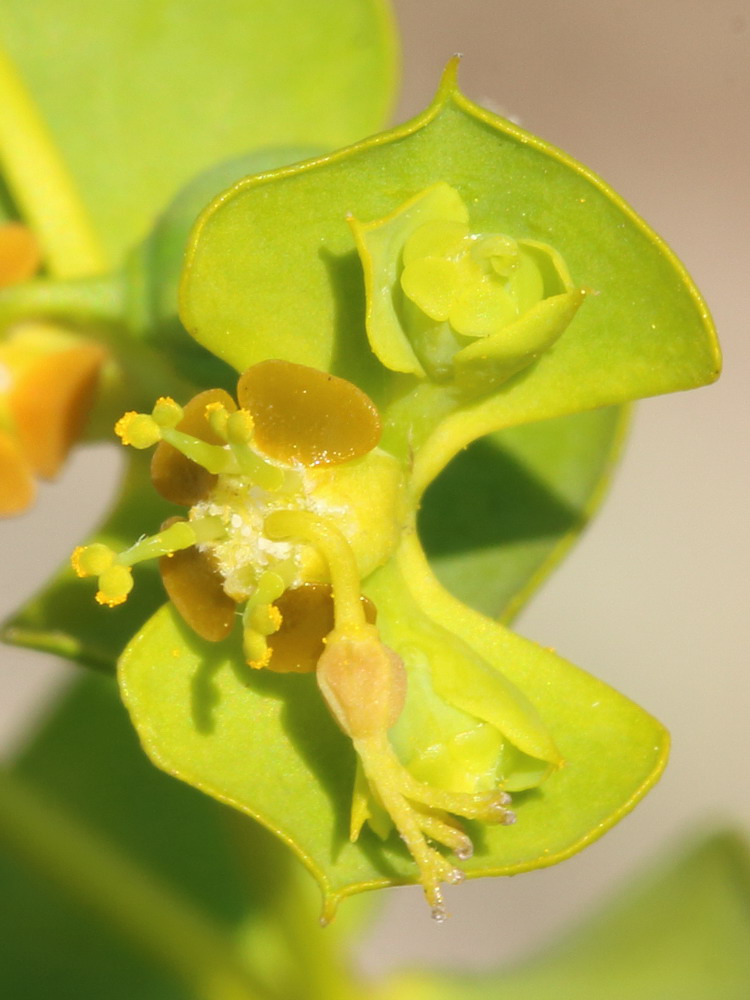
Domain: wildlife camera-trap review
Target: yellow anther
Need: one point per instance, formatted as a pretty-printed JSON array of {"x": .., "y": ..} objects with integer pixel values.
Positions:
[
  {"x": 92, "y": 560},
  {"x": 239, "y": 427},
  {"x": 265, "y": 619},
  {"x": 262, "y": 656},
  {"x": 115, "y": 584},
  {"x": 277, "y": 619},
  {"x": 139, "y": 430},
  {"x": 217, "y": 415},
  {"x": 166, "y": 412}
]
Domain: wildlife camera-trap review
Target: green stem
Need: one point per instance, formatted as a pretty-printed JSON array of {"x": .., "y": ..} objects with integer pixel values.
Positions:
[
  {"x": 41, "y": 184},
  {"x": 323, "y": 971},
  {"x": 88, "y": 301},
  {"x": 155, "y": 919},
  {"x": 302, "y": 958}
]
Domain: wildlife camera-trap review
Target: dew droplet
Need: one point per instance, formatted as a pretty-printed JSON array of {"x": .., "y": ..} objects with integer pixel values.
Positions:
[{"x": 465, "y": 850}]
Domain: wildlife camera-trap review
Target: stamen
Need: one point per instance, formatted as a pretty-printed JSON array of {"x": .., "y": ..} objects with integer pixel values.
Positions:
[
  {"x": 248, "y": 463},
  {"x": 114, "y": 568},
  {"x": 141, "y": 430},
  {"x": 261, "y": 619},
  {"x": 214, "y": 458},
  {"x": 217, "y": 416},
  {"x": 115, "y": 580},
  {"x": 179, "y": 535},
  {"x": 239, "y": 427},
  {"x": 92, "y": 560},
  {"x": 166, "y": 412},
  {"x": 266, "y": 619}
]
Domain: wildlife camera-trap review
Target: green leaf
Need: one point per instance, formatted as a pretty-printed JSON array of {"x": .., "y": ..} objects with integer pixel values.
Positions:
[
  {"x": 266, "y": 744},
  {"x": 506, "y": 510},
  {"x": 682, "y": 931},
  {"x": 179, "y": 89}
]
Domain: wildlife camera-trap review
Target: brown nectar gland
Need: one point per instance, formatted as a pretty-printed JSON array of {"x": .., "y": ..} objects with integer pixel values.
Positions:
[
  {"x": 306, "y": 620},
  {"x": 308, "y": 416},
  {"x": 194, "y": 586}
]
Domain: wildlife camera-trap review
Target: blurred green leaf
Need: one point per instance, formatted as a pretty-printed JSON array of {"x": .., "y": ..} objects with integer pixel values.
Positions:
[
  {"x": 87, "y": 759},
  {"x": 680, "y": 933},
  {"x": 53, "y": 947},
  {"x": 506, "y": 510},
  {"x": 141, "y": 95},
  {"x": 86, "y": 763}
]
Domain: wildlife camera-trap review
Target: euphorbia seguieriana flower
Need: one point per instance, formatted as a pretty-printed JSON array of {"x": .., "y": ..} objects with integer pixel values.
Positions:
[
  {"x": 48, "y": 381},
  {"x": 291, "y": 506},
  {"x": 477, "y": 249}
]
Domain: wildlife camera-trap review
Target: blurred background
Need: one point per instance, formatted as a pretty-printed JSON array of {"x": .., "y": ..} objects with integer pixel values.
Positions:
[{"x": 654, "y": 96}]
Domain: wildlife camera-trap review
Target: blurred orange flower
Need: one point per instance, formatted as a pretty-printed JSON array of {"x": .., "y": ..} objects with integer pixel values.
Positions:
[{"x": 48, "y": 382}]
